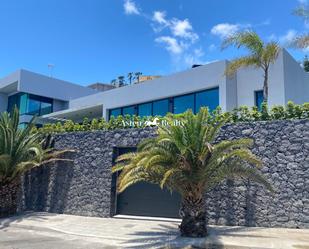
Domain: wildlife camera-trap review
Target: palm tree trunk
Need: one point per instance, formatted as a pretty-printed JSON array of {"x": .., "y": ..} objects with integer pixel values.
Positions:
[
  {"x": 265, "y": 86},
  {"x": 193, "y": 216},
  {"x": 8, "y": 197}
]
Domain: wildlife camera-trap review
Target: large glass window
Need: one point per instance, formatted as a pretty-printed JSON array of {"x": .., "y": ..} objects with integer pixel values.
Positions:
[
  {"x": 115, "y": 112},
  {"x": 46, "y": 108},
  {"x": 34, "y": 106},
  {"x": 144, "y": 110},
  {"x": 130, "y": 110},
  {"x": 208, "y": 98},
  {"x": 30, "y": 104},
  {"x": 259, "y": 99},
  {"x": 160, "y": 107},
  {"x": 179, "y": 104},
  {"x": 183, "y": 103}
]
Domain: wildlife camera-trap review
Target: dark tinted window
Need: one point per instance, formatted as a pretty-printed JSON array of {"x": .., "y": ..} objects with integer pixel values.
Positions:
[
  {"x": 115, "y": 112},
  {"x": 208, "y": 98},
  {"x": 183, "y": 103},
  {"x": 30, "y": 104},
  {"x": 130, "y": 110},
  {"x": 160, "y": 107},
  {"x": 144, "y": 110},
  {"x": 259, "y": 98}
]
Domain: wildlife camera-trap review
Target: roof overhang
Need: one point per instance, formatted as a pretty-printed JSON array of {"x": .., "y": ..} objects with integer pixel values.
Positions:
[{"x": 75, "y": 114}]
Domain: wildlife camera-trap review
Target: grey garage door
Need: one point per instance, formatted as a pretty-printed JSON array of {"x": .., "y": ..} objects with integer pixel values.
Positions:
[{"x": 145, "y": 199}]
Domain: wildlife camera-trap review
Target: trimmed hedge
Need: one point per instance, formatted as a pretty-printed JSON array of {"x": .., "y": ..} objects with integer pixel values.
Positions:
[{"x": 241, "y": 114}]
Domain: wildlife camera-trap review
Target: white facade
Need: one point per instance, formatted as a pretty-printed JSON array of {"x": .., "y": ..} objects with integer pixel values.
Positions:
[
  {"x": 23, "y": 81},
  {"x": 287, "y": 81}
]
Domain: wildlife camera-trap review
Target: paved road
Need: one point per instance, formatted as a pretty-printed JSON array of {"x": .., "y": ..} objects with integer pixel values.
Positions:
[
  {"x": 52, "y": 231},
  {"x": 21, "y": 238}
]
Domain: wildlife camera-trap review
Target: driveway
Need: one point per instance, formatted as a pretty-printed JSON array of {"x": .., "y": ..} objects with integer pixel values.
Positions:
[{"x": 57, "y": 231}]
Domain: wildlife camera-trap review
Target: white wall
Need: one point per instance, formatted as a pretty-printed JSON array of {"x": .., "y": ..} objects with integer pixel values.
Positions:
[
  {"x": 199, "y": 78},
  {"x": 251, "y": 79},
  {"x": 3, "y": 102},
  {"x": 50, "y": 87},
  {"x": 296, "y": 81},
  {"x": 59, "y": 105},
  {"x": 306, "y": 88}
]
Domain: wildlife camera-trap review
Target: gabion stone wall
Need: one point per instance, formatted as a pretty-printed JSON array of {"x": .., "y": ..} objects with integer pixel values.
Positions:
[
  {"x": 283, "y": 147},
  {"x": 8, "y": 198},
  {"x": 84, "y": 188}
]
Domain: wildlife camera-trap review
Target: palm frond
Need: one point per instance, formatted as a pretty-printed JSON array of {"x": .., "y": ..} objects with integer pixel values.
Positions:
[
  {"x": 246, "y": 61},
  {"x": 187, "y": 158}
]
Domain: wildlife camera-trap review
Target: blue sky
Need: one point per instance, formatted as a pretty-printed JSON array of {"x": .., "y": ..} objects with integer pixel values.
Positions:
[{"x": 98, "y": 40}]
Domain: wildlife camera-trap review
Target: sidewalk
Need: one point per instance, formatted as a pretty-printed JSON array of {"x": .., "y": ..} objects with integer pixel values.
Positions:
[{"x": 92, "y": 233}]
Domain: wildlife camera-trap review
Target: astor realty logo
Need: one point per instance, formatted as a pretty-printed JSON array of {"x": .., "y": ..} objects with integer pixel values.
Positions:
[{"x": 149, "y": 123}]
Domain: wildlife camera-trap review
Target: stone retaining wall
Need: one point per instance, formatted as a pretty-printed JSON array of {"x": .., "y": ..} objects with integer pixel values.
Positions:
[{"x": 84, "y": 188}]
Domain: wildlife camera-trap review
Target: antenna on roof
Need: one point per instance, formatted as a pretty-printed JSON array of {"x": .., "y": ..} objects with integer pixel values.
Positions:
[{"x": 51, "y": 69}]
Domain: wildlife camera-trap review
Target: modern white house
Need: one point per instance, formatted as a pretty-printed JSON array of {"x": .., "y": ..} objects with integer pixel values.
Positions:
[
  {"x": 36, "y": 94},
  {"x": 204, "y": 85}
]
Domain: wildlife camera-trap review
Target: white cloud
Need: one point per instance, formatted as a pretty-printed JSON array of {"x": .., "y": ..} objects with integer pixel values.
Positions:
[
  {"x": 194, "y": 57},
  {"x": 183, "y": 28},
  {"x": 286, "y": 39},
  {"x": 130, "y": 8},
  {"x": 223, "y": 30},
  {"x": 171, "y": 44},
  {"x": 160, "y": 17},
  {"x": 303, "y": 1},
  {"x": 212, "y": 47}
]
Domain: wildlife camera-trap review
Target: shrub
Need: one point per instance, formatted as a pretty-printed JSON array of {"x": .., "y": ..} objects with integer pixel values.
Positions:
[{"x": 241, "y": 114}]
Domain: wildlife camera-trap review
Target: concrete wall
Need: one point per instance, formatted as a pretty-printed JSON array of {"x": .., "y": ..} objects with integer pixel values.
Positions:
[
  {"x": 84, "y": 188},
  {"x": 196, "y": 79},
  {"x": 3, "y": 102},
  {"x": 251, "y": 79},
  {"x": 50, "y": 87},
  {"x": 59, "y": 105},
  {"x": 296, "y": 80}
]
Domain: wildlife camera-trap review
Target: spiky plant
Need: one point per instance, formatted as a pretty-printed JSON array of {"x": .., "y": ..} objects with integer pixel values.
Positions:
[
  {"x": 261, "y": 55},
  {"x": 186, "y": 159},
  {"x": 20, "y": 150}
]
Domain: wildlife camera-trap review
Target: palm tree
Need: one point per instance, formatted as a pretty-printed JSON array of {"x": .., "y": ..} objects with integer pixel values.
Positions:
[
  {"x": 261, "y": 55},
  {"x": 20, "y": 150},
  {"x": 302, "y": 41},
  {"x": 121, "y": 80},
  {"x": 137, "y": 76},
  {"x": 187, "y": 159},
  {"x": 130, "y": 77}
]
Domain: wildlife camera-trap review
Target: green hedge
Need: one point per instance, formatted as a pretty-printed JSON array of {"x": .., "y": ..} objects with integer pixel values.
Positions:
[{"x": 241, "y": 114}]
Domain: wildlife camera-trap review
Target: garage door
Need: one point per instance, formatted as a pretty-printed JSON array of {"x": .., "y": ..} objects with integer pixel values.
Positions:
[{"x": 145, "y": 199}]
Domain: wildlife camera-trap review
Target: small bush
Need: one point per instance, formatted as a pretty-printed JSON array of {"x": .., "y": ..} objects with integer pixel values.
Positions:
[{"x": 241, "y": 114}]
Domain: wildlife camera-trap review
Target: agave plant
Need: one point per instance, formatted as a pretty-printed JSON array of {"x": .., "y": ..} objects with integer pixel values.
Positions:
[
  {"x": 20, "y": 150},
  {"x": 186, "y": 159}
]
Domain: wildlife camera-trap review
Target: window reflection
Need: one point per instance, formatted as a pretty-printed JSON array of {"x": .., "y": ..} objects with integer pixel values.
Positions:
[
  {"x": 30, "y": 104},
  {"x": 115, "y": 112},
  {"x": 130, "y": 110},
  {"x": 208, "y": 98},
  {"x": 183, "y": 103},
  {"x": 144, "y": 110},
  {"x": 160, "y": 107},
  {"x": 179, "y": 104},
  {"x": 259, "y": 98}
]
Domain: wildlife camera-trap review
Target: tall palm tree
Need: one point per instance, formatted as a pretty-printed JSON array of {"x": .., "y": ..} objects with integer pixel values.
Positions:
[
  {"x": 137, "y": 76},
  {"x": 186, "y": 159},
  {"x": 121, "y": 80},
  {"x": 302, "y": 41},
  {"x": 261, "y": 55},
  {"x": 20, "y": 150},
  {"x": 130, "y": 77}
]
